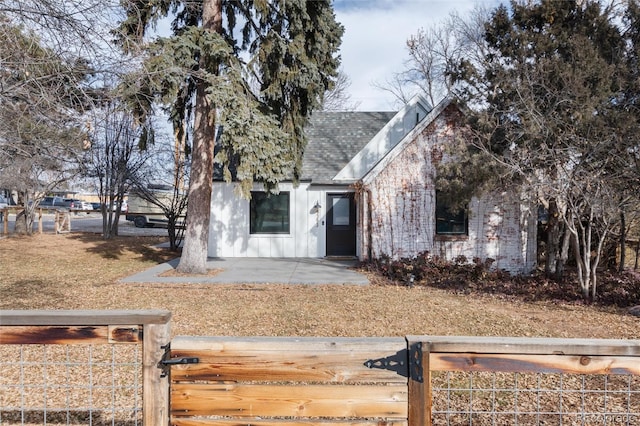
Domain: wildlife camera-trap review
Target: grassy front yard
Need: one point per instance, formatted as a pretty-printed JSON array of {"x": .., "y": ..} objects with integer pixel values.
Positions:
[{"x": 80, "y": 271}]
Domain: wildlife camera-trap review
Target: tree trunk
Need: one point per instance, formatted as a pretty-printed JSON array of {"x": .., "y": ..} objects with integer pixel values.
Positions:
[
  {"x": 553, "y": 240},
  {"x": 194, "y": 253},
  {"x": 564, "y": 254},
  {"x": 623, "y": 242},
  {"x": 22, "y": 225},
  {"x": 583, "y": 279}
]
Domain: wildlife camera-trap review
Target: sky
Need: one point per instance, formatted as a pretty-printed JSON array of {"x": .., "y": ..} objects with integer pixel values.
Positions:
[{"x": 374, "y": 43}]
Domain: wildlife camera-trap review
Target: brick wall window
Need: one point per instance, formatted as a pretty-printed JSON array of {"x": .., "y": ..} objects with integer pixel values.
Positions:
[{"x": 450, "y": 221}]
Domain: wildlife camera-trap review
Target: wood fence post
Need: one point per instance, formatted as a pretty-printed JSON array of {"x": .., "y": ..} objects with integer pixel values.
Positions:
[
  {"x": 155, "y": 389},
  {"x": 419, "y": 384}
]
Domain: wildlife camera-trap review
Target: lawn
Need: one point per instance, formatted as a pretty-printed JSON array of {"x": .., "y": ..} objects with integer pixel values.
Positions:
[{"x": 81, "y": 271}]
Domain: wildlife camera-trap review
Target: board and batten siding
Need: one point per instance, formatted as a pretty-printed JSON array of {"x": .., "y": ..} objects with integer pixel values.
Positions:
[
  {"x": 400, "y": 222},
  {"x": 229, "y": 234}
]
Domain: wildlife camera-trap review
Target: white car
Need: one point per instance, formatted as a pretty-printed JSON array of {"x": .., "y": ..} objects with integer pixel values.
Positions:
[{"x": 4, "y": 203}]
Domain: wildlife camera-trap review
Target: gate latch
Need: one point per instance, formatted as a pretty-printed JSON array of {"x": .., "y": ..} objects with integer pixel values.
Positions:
[
  {"x": 165, "y": 363},
  {"x": 176, "y": 361}
]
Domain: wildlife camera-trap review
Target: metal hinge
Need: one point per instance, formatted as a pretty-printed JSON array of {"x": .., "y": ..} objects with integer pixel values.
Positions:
[
  {"x": 406, "y": 363},
  {"x": 166, "y": 362},
  {"x": 397, "y": 362}
]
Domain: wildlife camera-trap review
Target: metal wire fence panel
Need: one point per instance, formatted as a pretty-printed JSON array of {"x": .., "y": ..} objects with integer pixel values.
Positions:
[
  {"x": 491, "y": 398},
  {"x": 96, "y": 384}
]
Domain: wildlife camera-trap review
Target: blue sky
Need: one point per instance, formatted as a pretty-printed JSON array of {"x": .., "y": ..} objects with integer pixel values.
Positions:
[{"x": 373, "y": 46}]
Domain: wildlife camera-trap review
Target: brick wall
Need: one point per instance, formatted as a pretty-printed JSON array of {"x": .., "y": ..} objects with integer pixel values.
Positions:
[{"x": 400, "y": 205}]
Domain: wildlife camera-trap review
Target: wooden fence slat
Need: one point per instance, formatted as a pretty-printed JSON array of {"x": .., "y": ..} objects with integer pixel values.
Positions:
[
  {"x": 250, "y": 421},
  {"x": 45, "y": 335},
  {"x": 83, "y": 318},
  {"x": 533, "y": 346},
  {"x": 285, "y": 366},
  {"x": 571, "y": 364},
  {"x": 226, "y": 344},
  {"x": 336, "y": 360},
  {"x": 247, "y": 400}
]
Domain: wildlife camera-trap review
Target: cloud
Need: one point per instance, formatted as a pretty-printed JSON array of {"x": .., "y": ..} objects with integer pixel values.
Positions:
[{"x": 374, "y": 43}]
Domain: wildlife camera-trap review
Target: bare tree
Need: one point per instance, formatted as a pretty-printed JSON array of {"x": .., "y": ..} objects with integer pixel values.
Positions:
[
  {"x": 338, "y": 98},
  {"x": 171, "y": 201},
  {"x": 41, "y": 136},
  {"x": 51, "y": 51},
  {"x": 114, "y": 159},
  {"x": 434, "y": 54},
  {"x": 163, "y": 182}
]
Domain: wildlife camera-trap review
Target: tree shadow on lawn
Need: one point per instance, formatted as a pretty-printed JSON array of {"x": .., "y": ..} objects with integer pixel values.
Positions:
[
  {"x": 120, "y": 247},
  {"x": 22, "y": 291}
]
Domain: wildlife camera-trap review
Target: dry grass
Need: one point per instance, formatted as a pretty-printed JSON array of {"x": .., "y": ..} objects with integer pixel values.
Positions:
[{"x": 80, "y": 271}]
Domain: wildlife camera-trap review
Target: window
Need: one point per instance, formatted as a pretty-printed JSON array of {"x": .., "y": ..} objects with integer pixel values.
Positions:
[
  {"x": 341, "y": 211},
  {"x": 269, "y": 213},
  {"x": 449, "y": 222}
]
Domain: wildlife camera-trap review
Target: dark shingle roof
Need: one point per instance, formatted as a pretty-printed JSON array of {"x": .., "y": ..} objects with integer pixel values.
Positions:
[{"x": 334, "y": 138}]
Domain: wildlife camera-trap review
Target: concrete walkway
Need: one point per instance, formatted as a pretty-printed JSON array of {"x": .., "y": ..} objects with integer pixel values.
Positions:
[{"x": 251, "y": 270}]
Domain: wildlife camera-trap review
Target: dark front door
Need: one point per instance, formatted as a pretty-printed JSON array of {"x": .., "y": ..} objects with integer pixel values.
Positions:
[{"x": 341, "y": 225}]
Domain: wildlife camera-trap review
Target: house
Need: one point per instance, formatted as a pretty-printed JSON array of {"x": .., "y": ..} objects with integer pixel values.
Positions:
[{"x": 367, "y": 190}]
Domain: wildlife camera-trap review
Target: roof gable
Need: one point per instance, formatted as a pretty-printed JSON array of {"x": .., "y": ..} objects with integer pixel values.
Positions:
[
  {"x": 395, "y": 130},
  {"x": 334, "y": 138},
  {"x": 410, "y": 136}
]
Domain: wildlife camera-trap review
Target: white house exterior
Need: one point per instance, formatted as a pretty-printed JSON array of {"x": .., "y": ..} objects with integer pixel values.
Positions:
[{"x": 367, "y": 190}]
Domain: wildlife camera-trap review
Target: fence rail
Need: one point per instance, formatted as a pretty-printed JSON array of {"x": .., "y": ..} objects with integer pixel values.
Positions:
[
  {"x": 71, "y": 367},
  {"x": 61, "y": 219}
]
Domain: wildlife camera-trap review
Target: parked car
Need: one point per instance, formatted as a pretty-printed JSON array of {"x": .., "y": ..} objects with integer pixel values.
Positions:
[
  {"x": 53, "y": 202},
  {"x": 96, "y": 206},
  {"x": 4, "y": 203},
  {"x": 144, "y": 214},
  {"x": 123, "y": 208},
  {"x": 77, "y": 204}
]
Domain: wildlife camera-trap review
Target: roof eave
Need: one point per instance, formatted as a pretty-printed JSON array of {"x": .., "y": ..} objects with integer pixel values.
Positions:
[{"x": 378, "y": 147}]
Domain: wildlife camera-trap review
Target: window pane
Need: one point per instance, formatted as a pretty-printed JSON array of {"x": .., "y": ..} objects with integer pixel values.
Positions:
[
  {"x": 450, "y": 223},
  {"x": 269, "y": 213},
  {"x": 341, "y": 211}
]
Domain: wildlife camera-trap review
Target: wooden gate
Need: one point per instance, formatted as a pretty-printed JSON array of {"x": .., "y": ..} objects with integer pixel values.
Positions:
[
  {"x": 415, "y": 381},
  {"x": 268, "y": 381}
]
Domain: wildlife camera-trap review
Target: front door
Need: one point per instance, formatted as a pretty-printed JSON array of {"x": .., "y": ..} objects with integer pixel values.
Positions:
[{"x": 341, "y": 225}]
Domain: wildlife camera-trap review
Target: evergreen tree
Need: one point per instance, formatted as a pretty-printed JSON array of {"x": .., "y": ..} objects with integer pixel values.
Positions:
[
  {"x": 253, "y": 69},
  {"x": 546, "y": 110}
]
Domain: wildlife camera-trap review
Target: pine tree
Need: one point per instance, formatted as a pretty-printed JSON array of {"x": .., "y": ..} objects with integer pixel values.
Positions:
[
  {"x": 256, "y": 68},
  {"x": 547, "y": 111}
]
